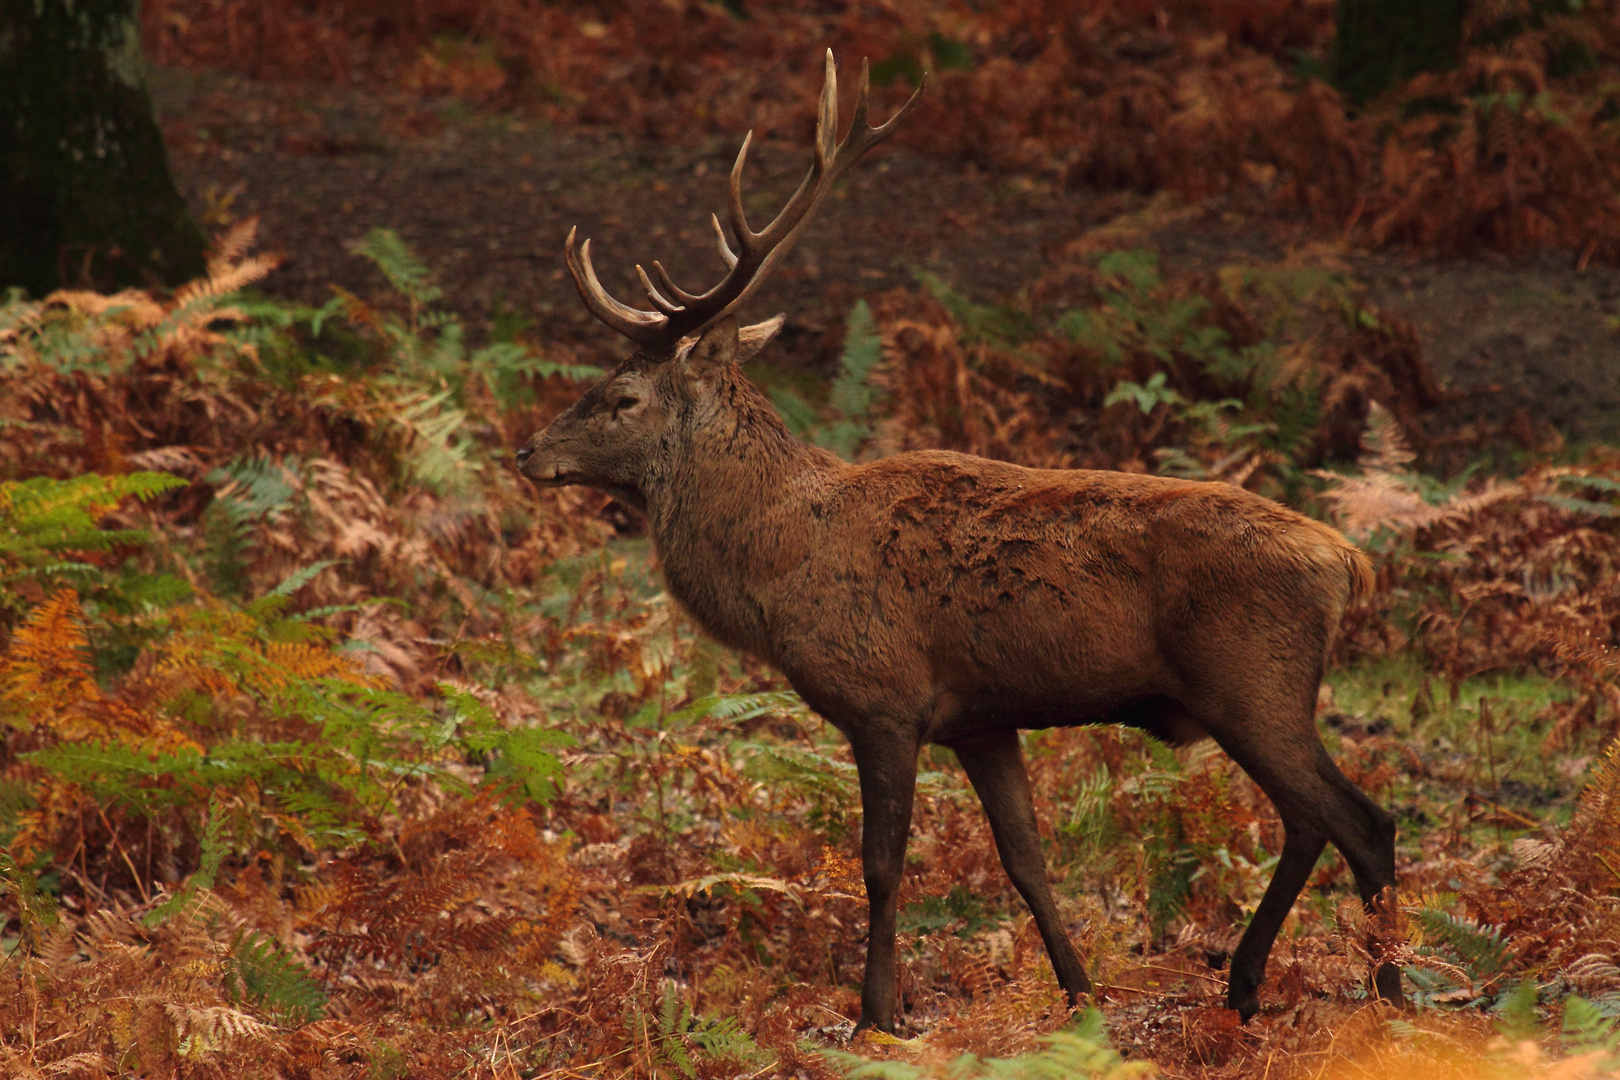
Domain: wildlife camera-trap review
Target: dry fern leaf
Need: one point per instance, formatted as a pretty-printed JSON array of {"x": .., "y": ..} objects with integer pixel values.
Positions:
[
  {"x": 84, "y": 1064},
  {"x": 1593, "y": 974},
  {"x": 233, "y": 243},
  {"x": 46, "y": 674},
  {"x": 1383, "y": 443},
  {"x": 206, "y": 1029},
  {"x": 1386, "y": 495},
  {"x": 229, "y": 268}
]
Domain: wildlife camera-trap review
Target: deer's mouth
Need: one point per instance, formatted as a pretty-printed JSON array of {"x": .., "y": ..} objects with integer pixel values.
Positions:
[
  {"x": 552, "y": 475},
  {"x": 545, "y": 469}
]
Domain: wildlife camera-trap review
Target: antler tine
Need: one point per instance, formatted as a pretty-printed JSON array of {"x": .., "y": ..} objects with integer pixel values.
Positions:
[
  {"x": 726, "y": 253},
  {"x": 857, "y": 120},
  {"x": 862, "y": 136},
  {"x": 780, "y": 235},
  {"x": 827, "y": 116},
  {"x": 657, "y": 298},
  {"x": 885, "y": 129},
  {"x": 669, "y": 286},
  {"x": 734, "y": 204},
  {"x": 643, "y": 327},
  {"x": 757, "y": 252}
]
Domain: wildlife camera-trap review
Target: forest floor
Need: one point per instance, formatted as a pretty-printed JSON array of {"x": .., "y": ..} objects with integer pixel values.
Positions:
[{"x": 485, "y": 200}]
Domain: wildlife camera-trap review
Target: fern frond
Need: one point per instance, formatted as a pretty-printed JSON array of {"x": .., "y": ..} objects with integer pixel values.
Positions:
[
  {"x": 853, "y": 394},
  {"x": 1588, "y": 1030},
  {"x": 233, "y": 243},
  {"x": 434, "y": 455},
  {"x": 1386, "y": 496},
  {"x": 302, "y": 576},
  {"x": 47, "y": 672},
  {"x": 36, "y": 909},
  {"x": 1081, "y": 1052},
  {"x": 229, "y": 270},
  {"x": 1384, "y": 445},
  {"x": 287, "y": 661},
  {"x": 735, "y": 708},
  {"x": 199, "y": 884},
  {"x": 203, "y": 1030},
  {"x": 402, "y": 269},
  {"x": 131, "y": 306},
  {"x": 262, "y": 972},
  {"x": 1365, "y": 504},
  {"x": 1481, "y": 947}
]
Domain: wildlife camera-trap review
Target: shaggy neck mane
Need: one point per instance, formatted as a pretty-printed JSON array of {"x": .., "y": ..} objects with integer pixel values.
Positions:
[{"x": 736, "y": 495}]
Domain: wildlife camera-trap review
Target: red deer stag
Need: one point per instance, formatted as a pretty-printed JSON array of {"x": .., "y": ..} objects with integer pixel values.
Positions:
[{"x": 941, "y": 598}]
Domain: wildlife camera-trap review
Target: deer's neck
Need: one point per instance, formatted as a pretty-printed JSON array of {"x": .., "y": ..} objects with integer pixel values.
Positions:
[{"x": 731, "y": 516}]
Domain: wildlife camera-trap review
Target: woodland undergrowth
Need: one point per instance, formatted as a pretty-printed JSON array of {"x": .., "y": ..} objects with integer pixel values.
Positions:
[
  {"x": 1513, "y": 149},
  {"x": 332, "y": 749}
]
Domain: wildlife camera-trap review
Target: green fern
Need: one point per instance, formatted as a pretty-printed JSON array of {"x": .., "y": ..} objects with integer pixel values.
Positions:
[
  {"x": 831, "y": 787},
  {"x": 437, "y": 454},
  {"x": 520, "y": 759},
  {"x": 1517, "y": 1011},
  {"x": 1145, "y": 396},
  {"x": 329, "y": 788},
  {"x": 212, "y": 854},
  {"x": 59, "y": 338},
  {"x": 428, "y": 352},
  {"x": 118, "y": 774},
  {"x": 258, "y": 486},
  {"x": 407, "y": 274},
  {"x": 1481, "y": 948},
  {"x": 42, "y": 518},
  {"x": 735, "y": 708},
  {"x": 1003, "y": 324},
  {"x": 725, "y": 1039},
  {"x": 1428, "y": 988},
  {"x": 1263, "y": 403},
  {"x": 263, "y": 973},
  {"x": 509, "y": 368},
  {"x": 252, "y": 489},
  {"x": 1589, "y": 507},
  {"x": 853, "y": 395},
  {"x": 674, "y": 1021},
  {"x": 1587, "y": 1029},
  {"x": 1091, "y": 828},
  {"x": 1079, "y": 1051},
  {"x": 685, "y": 1042},
  {"x": 16, "y": 797},
  {"x": 36, "y": 909}
]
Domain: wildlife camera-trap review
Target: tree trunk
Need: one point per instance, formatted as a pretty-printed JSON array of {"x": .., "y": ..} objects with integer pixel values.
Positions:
[
  {"x": 1382, "y": 42},
  {"x": 85, "y": 192}
]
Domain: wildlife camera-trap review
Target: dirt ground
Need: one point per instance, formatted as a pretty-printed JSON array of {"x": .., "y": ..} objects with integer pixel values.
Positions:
[{"x": 486, "y": 201}]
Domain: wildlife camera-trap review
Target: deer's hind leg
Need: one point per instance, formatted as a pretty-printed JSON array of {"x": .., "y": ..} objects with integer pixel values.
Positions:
[
  {"x": 994, "y": 763},
  {"x": 1271, "y": 733}
]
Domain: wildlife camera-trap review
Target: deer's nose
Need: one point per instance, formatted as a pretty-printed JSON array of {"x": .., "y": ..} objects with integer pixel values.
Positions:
[{"x": 524, "y": 454}]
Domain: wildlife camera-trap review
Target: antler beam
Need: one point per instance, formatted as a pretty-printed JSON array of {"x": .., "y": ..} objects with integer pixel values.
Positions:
[{"x": 678, "y": 313}]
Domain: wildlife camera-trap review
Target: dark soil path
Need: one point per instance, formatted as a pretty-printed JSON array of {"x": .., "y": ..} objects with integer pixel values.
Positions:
[{"x": 487, "y": 200}]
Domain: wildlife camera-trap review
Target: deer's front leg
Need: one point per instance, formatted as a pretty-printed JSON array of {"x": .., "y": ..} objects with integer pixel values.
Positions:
[
  {"x": 888, "y": 772},
  {"x": 995, "y": 764}
]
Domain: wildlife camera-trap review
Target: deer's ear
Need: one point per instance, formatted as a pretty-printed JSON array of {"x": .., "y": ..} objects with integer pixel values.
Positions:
[
  {"x": 714, "y": 351},
  {"x": 751, "y": 339}
]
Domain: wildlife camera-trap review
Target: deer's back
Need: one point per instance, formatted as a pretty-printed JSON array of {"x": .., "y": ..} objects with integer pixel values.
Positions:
[{"x": 934, "y": 571}]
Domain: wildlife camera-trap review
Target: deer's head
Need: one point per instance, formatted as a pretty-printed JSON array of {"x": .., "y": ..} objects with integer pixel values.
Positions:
[
  {"x": 626, "y": 423},
  {"x": 688, "y": 343}
]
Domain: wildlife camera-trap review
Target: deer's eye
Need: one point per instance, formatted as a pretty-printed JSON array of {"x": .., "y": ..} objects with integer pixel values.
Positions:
[{"x": 624, "y": 403}]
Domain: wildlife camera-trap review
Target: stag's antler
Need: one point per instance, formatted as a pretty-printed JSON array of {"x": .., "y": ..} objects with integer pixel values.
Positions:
[{"x": 657, "y": 332}]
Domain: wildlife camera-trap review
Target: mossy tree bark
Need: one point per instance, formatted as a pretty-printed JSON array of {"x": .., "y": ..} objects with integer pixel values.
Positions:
[
  {"x": 86, "y": 197},
  {"x": 1382, "y": 42}
]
